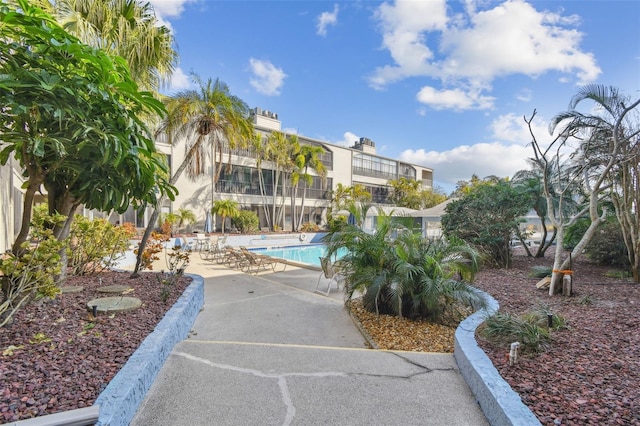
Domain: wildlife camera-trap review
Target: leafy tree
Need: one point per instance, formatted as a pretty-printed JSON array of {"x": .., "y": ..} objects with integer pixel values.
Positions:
[
  {"x": 208, "y": 117},
  {"x": 405, "y": 193},
  {"x": 225, "y": 208},
  {"x": 71, "y": 119},
  {"x": 607, "y": 245},
  {"x": 432, "y": 197},
  {"x": 487, "y": 217},
  {"x": 407, "y": 275}
]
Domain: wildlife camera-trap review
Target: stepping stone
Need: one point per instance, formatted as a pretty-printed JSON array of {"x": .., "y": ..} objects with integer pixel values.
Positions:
[
  {"x": 115, "y": 304},
  {"x": 116, "y": 288},
  {"x": 71, "y": 289}
]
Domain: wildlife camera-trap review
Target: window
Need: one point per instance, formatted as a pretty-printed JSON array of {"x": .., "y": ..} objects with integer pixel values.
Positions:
[{"x": 369, "y": 165}]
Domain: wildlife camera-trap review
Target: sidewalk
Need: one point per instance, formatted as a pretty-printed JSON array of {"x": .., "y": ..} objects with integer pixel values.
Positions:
[{"x": 266, "y": 350}]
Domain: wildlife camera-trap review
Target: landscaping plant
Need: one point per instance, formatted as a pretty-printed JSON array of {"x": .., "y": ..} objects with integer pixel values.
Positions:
[
  {"x": 96, "y": 245},
  {"x": 400, "y": 273},
  {"x": 31, "y": 274}
]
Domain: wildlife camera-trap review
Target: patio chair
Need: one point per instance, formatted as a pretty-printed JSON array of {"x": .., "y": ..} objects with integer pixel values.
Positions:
[
  {"x": 256, "y": 261},
  {"x": 330, "y": 272},
  {"x": 210, "y": 248},
  {"x": 201, "y": 241}
]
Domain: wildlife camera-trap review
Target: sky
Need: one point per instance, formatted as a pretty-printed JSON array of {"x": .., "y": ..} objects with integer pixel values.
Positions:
[{"x": 443, "y": 84}]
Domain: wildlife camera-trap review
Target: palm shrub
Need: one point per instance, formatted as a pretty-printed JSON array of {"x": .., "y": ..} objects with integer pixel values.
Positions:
[{"x": 406, "y": 275}]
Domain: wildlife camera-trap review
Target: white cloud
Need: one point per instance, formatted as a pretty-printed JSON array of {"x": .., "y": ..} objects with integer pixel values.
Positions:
[
  {"x": 170, "y": 8},
  {"x": 456, "y": 99},
  {"x": 179, "y": 80},
  {"x": 482, "y": 159},
  {"x": 469, "y": 50},
  {"x": 507, "y": 154},
  {"x": 348, "y": 139},
  {"x": 267, "y": 78},
  {"x": 327, "y": 18}
]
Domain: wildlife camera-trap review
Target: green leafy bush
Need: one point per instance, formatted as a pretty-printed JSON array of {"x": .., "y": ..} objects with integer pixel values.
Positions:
[
  {"x": 574, "y": 233},
  {"x": 540, "y": 271},
  {"x": 607, "y": 246},
  {"x": 32, "y": 273},
  {"x": 246, "y": 221},
  {"x": 95, "y": 245}
]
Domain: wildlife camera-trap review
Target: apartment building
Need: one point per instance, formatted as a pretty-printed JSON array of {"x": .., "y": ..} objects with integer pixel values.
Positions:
[{"x": 358, "y": 164}]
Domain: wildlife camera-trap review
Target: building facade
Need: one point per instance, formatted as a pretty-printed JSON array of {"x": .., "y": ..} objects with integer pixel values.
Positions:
[{"x": 358, "y": 164}]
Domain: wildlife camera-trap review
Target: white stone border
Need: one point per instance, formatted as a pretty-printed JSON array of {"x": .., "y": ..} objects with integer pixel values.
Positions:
[
  {"x": 122, "y": 397},
  {"x": 499, "y": 403}
]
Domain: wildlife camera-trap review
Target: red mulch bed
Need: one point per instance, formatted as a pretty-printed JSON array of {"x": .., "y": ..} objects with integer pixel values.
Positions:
[
  {"x": 590, "y": 375},
  {"x": 53, "y": 358}
]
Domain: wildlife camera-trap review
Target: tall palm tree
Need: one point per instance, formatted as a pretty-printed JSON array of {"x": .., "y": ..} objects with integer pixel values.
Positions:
[
  {"x": 277, "y": 152},
  {"x": 126, "y": 28},
  {"x": 208, "y": 117},
  {"x": 308, "y": 158}
]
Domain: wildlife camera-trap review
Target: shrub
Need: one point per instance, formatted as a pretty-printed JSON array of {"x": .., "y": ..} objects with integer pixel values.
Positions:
[
  {"x": 309, "y": 227},
  {"x": 154, "y": 246},
  {"x": 246, "y": 221},
  {"x": 32, "y": 273},
  {"x": 540, "y": 271},
  {"x": 95, "y": 245},
  {"x": 574, "y": 233},
  {"x": 607, "y": 246}
]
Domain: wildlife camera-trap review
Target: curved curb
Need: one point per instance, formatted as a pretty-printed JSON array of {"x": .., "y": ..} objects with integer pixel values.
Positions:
[
  {"x": 126, "y": 391},
  {"x": 499, "y": 403}
]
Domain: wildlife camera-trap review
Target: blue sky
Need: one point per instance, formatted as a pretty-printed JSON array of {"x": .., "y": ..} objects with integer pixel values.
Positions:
[{"x": 439, "y": 83}]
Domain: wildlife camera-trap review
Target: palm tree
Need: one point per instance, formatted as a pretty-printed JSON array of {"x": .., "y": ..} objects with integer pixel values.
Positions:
[
  {"x": 406, "y": 275},
  {"x": 308, "y": 158},
  {"x": 277, "y": 151},
  {"x": 225, "y": 208},
  {"x": 126, "y": 28},
  {"x": 209, "y": 117},
  {"x": 608, "y": 160}
]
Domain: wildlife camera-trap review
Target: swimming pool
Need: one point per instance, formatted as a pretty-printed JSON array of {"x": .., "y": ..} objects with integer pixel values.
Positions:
[{"x": 308, "y": 253}]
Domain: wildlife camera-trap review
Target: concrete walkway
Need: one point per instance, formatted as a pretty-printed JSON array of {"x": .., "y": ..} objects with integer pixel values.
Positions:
[{"x": 266, "y": 350}]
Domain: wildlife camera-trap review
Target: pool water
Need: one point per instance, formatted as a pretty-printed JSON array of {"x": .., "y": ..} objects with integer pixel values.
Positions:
[{"x": 308, "y": 253}]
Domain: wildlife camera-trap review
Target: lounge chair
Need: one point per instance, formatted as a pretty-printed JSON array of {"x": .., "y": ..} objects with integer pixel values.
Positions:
[
  {"x": 232, "y": 258},
  {"x": 256, "y": 261},
  {"x": 330, "y": 272}
]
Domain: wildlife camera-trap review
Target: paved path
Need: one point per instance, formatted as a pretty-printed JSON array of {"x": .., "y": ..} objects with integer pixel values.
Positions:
[{"x": 266, "y": 350}]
